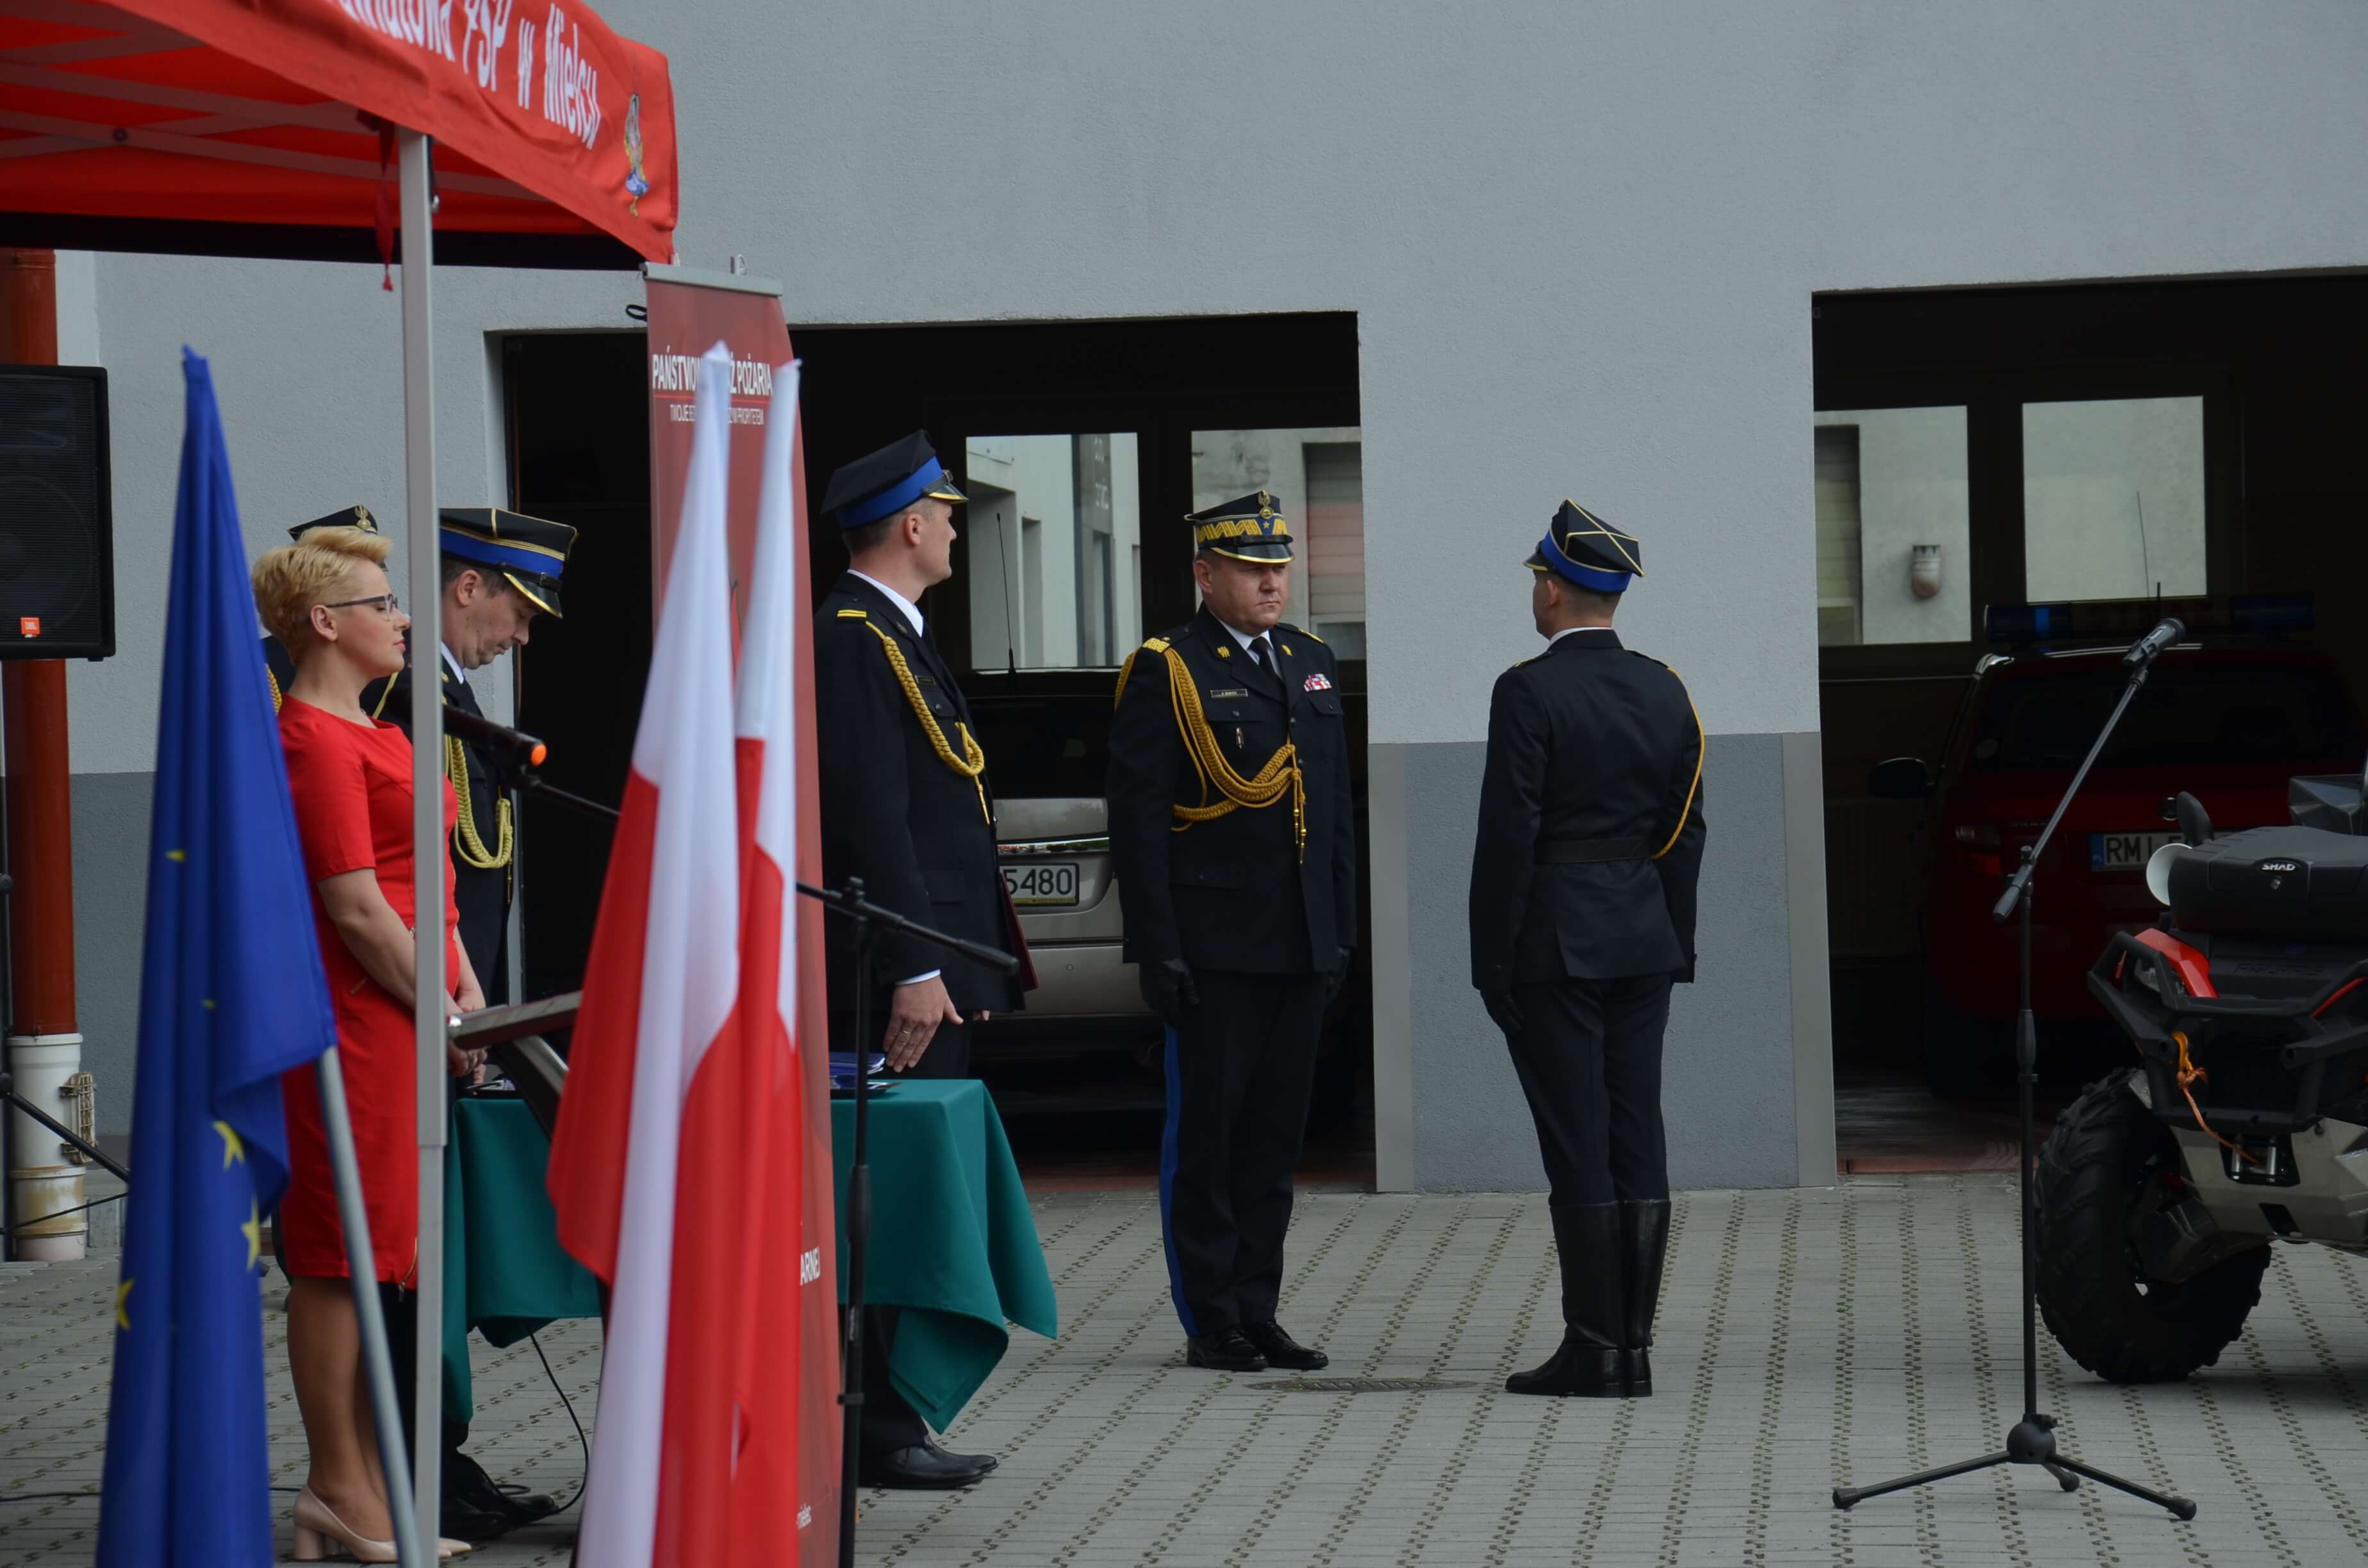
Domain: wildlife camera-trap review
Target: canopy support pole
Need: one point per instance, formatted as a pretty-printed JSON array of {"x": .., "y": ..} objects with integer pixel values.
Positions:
[{"x": 424, "y": 593}]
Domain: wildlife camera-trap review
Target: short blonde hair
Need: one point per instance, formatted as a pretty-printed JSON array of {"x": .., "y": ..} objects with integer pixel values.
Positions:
[{"x": 316, "y": 569}]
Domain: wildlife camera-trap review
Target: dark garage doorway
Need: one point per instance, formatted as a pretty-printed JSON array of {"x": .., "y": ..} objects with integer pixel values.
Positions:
[
  {"x": 1148, "y": 418},
  {"x": 2042, "y": 445}
]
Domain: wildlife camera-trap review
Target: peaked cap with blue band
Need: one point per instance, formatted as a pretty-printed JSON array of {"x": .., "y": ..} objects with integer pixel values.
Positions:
[
  {"x": 1248, "y": 528},
  {"x": 1581, "y": 548},
  {"x": 873, "y": 486},
  {"x": 529, "y": 551},
  {"x": 354, "y": 517}
]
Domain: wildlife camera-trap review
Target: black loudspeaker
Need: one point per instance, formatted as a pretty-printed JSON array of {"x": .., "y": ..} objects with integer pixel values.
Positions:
[{"x": 57, "y": 532}]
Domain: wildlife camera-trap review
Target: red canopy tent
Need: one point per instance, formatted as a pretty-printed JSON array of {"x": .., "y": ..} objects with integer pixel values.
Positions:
[
  {"x": 303, "y": 129},
  {"x": 263, "y": 127}
]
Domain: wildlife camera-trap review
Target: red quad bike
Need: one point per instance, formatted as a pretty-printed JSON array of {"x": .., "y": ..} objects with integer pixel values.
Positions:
[{"x": 2246, "y": 1120}]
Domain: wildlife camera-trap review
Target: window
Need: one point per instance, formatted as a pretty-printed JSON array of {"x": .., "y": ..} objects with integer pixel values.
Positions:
[
  {"x": 2113, "y": 498},
  {"x": 1317, "y": 478},
  {"x": 1893, "y": 526},
  {"x": 1049, "y": 521}
]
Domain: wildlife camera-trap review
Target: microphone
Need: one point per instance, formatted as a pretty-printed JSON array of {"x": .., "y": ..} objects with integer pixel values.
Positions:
[
  {"x": 510, "y": 745},
  {"x": 2143, "y": 649}
]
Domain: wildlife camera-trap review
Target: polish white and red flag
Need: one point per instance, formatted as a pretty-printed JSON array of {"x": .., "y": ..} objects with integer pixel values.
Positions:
[
  {"x": 660, "y": 990},
  {"x": 785, "y": 1477}
]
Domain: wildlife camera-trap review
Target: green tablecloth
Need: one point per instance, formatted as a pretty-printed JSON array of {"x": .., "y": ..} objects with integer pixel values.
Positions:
[
  {"x": 504, "y": 1274},
  {"x": 953, "y": 1242}
]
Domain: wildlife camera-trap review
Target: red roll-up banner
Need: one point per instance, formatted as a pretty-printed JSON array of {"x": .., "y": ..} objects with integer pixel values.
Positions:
[{"x": 690, "y": 312}]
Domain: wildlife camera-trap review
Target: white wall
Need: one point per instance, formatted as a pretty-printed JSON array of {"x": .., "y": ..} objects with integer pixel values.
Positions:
[{"x": 1580, "y": 240}]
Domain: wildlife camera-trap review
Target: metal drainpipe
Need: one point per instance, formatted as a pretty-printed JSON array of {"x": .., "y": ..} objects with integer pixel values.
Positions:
[{"x": 44, "y": 1041}]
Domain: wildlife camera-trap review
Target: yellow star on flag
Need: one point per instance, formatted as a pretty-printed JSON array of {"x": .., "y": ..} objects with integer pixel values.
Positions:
[
  {"x": 176, "y": 856},
  {"x": 232, "y": 1149},
  {"x": 253, "y": 1232},
  {"x": 122, "y": 1294}
]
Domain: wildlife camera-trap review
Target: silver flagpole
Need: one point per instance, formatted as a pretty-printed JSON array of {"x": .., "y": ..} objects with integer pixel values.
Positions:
[
  {"x": 424, "y": 594},
  {"x": 361, "y": 1264}
]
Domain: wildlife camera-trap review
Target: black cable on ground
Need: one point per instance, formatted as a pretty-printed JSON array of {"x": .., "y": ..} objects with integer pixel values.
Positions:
[{"x": 581, "y": 1440}]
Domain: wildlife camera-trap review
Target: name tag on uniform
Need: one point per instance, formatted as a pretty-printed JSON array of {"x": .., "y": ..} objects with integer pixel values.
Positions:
[
  {"x": 920, "y": 680},
  {"x": 1218, "y": 694}
]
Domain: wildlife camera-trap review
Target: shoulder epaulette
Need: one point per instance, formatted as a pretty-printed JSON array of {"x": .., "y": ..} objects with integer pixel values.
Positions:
[
  {"x": 1155, "y": 644},
  {"x": 855, "y": 615},
  {"x": 1300, "y": 632}
]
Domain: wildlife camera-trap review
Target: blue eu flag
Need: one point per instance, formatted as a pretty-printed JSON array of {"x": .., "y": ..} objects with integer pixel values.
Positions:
[{"x": 232, "y": 995}]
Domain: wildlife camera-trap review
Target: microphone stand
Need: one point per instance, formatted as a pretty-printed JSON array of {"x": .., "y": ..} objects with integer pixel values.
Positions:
[
  {"x": 869, "y": 920},
  {"x": 2032, "y": 1440}
]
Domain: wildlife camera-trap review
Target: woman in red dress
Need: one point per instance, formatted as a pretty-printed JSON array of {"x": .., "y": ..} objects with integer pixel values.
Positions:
[{"x": 327, "y": 599}]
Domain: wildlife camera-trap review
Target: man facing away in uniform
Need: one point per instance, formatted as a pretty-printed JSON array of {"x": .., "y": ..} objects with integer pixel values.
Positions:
[
  {"x": 1583, "y": 876},
  {"x": 1233, "y": 839},
  {"x": 905, "y": 807}
]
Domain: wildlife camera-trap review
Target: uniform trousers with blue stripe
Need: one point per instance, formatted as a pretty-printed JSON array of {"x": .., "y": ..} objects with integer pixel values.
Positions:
[{"x": 1240, "y": 1073}]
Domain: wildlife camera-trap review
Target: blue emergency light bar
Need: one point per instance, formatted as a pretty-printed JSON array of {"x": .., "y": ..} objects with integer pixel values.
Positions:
[{"x": 2122, "y": 620}]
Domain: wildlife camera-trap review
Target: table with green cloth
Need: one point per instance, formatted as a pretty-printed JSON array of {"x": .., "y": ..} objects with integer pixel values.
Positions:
[
  {"x": 505, "y": 1272},
  {"x": 953, "y": 1242}
]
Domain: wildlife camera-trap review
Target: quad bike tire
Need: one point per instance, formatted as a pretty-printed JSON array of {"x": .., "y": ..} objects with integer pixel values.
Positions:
[{"x": 2104, "y": 1151}]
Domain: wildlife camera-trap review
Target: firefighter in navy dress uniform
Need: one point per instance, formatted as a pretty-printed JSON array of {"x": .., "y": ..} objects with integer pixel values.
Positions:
[
  {"x": 1232, "y": 839},
  {"x": 906, "y": 807},
  {"x": 1583, "y": 874},
  {"x": 499, "y": 570}
]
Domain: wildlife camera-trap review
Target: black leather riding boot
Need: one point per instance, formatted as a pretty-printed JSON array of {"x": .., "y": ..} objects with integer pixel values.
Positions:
[
  {"x": 1643, "y": 1246},
  {"x": 1589, "y": 1363}
]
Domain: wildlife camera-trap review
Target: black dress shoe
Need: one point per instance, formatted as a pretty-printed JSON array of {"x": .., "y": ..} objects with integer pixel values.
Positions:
[
  {"x": 467, "y": 1484},
  {"x": 1280, "y": 1350},
  {"x": 1227, "y": 1350},
  {"x": 985, "y": 1462},
  {"x": 464, "y": 1522},
  {"x": 923, "y": 1467}
]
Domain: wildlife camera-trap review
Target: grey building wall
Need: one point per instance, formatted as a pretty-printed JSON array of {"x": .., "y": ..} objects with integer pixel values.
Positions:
[{"x": 1581, "y": 241}]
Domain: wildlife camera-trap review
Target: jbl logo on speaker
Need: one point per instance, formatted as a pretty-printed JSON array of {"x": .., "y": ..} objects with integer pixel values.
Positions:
[{"x": 57, "y": 546}]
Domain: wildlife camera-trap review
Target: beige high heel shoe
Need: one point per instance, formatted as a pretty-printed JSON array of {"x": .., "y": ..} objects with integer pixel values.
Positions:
[{"x": 319, "y": 1531}]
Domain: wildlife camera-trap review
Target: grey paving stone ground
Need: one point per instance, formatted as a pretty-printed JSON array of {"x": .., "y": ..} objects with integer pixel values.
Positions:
[{"x": 1806, "y": 1337}]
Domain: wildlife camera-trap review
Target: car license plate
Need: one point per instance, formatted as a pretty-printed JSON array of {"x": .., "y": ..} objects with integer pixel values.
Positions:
[
  {"x": 1043, "y": 883},
  {"x": 2125, "y": 851}
]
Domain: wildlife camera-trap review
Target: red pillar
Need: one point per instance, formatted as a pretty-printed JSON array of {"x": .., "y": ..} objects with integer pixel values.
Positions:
[{"x": 41, "y": 785}]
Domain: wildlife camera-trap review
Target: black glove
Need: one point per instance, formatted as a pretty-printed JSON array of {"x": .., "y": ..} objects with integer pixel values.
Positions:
[
  {"x": 1337, "y": 978},
  {"x": 1504, "y": 1009},
  {"x": 1167, "y": 986}
]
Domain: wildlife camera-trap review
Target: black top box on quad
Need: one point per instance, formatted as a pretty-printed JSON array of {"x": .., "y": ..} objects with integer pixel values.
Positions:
[{"x": 2247, "y": 1117}]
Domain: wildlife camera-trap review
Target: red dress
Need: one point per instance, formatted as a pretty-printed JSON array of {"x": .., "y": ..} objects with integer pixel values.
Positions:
[{"x": 352, "y": 789}]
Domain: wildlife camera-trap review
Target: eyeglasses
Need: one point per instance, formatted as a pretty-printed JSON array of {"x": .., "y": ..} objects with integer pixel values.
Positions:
[{"x": 386, "y": 604}]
